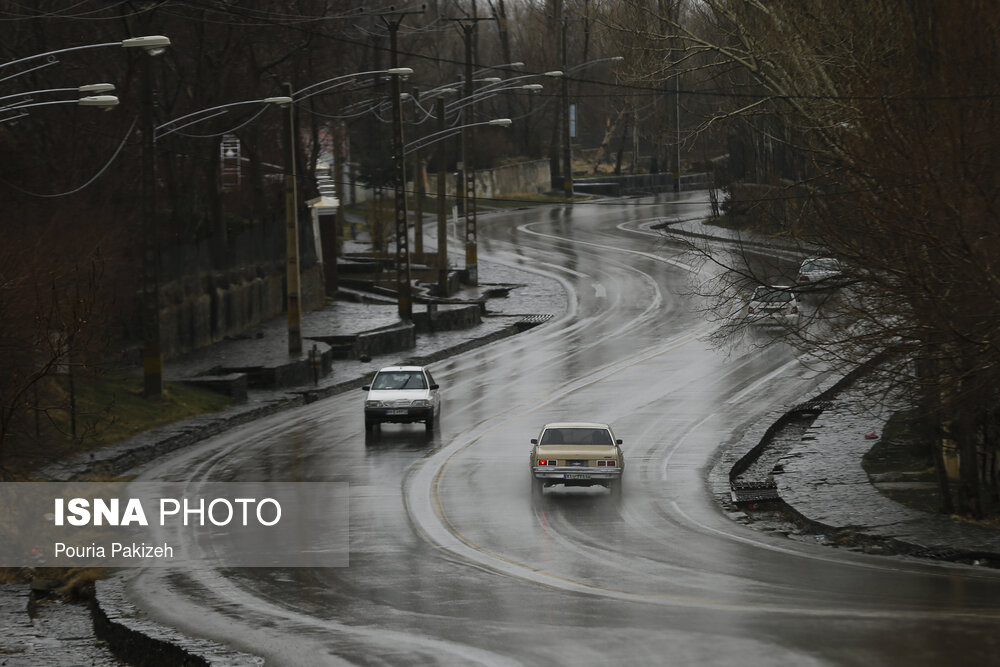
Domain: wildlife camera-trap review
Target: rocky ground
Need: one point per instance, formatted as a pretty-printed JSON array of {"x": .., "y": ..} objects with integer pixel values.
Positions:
[{"x": 46, "y": 629}]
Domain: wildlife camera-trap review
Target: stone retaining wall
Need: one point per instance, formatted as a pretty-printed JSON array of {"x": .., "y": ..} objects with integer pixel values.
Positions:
[{"x": 199, "y": 313}]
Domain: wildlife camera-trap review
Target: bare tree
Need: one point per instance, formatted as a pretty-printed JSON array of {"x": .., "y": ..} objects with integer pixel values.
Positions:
[{"x": 878, "y": 125}]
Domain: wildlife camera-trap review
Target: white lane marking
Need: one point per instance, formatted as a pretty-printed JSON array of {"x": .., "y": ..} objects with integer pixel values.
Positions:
[
  {"x": 680, "y": 443},
  {"x": 767, "y": 378},
  {"x": 656, "y": 258}
]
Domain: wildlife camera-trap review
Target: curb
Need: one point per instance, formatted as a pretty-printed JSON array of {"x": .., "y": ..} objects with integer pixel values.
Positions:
[{"x": 144, "y": 643}]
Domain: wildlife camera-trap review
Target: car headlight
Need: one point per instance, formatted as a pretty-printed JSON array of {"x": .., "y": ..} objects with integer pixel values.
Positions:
[
  {"x": 420, "y": 403},
  {"x": 373, "y": 404}
]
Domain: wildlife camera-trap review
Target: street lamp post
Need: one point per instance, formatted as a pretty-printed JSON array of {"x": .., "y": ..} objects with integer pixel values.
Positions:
[
  {"x": 418, "y": 200},
  {"x": 293, "y": 285},
  {"x": 567, "y": 155},
  {"x": 442, "y": 228},
  {"x": 403, "y": 288},
  {"x": 567, "y": 149},
  {"x": 442, "y": 213},
  {"x": 152, "y": 355},
  {"x": 468, "y": 172}
]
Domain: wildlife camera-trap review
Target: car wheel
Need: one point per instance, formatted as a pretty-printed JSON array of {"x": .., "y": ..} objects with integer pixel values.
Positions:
[
  {"x": 429, "y": 423},
  {"x": 370, "y": 425},
  {"x": 537, "y": 488},
  {"x": 615, "y": 489}
]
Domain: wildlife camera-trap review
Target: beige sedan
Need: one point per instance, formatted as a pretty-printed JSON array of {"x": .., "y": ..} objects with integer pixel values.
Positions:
[{"x": 576, "y": 454}]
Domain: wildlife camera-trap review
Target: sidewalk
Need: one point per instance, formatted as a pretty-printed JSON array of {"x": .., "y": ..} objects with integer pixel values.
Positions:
[
  {"x": 824, "y": 483},
  {"x": 808, "y": 459}
]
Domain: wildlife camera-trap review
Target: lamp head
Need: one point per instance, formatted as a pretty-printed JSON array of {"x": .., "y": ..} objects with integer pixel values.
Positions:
[
  {"x": 96, "y": 88},
  {"x": 154, "y": 45},
  {"x": 105, "y": 101}
]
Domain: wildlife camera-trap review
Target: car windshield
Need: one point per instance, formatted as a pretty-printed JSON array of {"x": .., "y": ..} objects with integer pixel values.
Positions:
[
  {"x": 399, "y": 380},
  {"x": 770, "y": 294},
  {"x": 576, "y": 436}
]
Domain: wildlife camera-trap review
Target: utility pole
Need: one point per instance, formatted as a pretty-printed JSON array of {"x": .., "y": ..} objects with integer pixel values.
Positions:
[
  {"x": 418, "y": 204},
  {"x": 675, "y": 10},
  {"x": 567, "y": 154},
  {"x": 403, "y": 288},
  {"x": 152, "y": 357},
  {"x": 442, "y": 212},
  {"x": 293, "y": 287},
  {"x": 468, "y": 26},
  {"x": 468, "y": 171}
]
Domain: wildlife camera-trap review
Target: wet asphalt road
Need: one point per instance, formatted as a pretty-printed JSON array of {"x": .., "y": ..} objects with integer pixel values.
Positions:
[{"x": 452, "y": 562}]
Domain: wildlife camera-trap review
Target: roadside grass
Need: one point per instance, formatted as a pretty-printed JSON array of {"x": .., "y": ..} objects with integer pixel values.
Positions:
[{"x": 96, "y": 411}]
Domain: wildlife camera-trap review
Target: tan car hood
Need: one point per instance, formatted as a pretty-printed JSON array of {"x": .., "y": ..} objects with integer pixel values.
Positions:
[{"x": 576, "y": 451}]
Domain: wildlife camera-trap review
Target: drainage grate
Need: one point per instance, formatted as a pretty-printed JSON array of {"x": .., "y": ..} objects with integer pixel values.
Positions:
[
  {"x": 753, "y": 492},
  {"x": 528, "y": 321}
]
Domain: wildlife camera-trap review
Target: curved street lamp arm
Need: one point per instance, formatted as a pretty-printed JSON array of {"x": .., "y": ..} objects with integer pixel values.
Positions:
[
  {"x": 344, "y": 80},
  {"x": 96, "y": 87},
  {"x": 30, "y": 69},
  {"x": 205, "y": 114},
  {"x": 103, "y": 101},
  {"x": 579, "y": 67},
  {"x": 152, "y": 43},
  {"x": 423, "y": 142},
  {"x": 52, "y": 53},
  {"x": 484, "y": 70}
]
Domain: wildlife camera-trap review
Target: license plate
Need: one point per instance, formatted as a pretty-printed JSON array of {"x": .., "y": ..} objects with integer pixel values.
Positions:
[
  {"x": 577, "y": 476},
  {"x": 395, "y": 412}
]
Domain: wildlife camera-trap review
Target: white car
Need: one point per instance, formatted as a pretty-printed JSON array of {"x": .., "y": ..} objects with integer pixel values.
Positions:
[
  {"x": 819, "y": 272},
  {"x": 402, "y": 395},
  {"x": 773, "y": 304}
]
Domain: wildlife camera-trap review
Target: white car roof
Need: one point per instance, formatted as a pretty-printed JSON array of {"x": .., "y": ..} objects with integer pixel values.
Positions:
[
  {"x": 391, "y": 369},
  {"x": 576, "y": 425}
]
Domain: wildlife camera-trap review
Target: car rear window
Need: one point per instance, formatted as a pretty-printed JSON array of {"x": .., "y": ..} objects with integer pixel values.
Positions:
[
  {"x": 821, "y": 265},
  {"x": 576, "y": 436},
  {"x": 771, "y": 295}
]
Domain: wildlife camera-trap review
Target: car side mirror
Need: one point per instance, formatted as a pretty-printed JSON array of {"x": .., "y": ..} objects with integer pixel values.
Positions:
[
  {"x": 618, "y": 442},
  {"x": 534, "y": 441},
  {"x": 434, "y": 386},
  {"x": 367, "y": 387}
]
